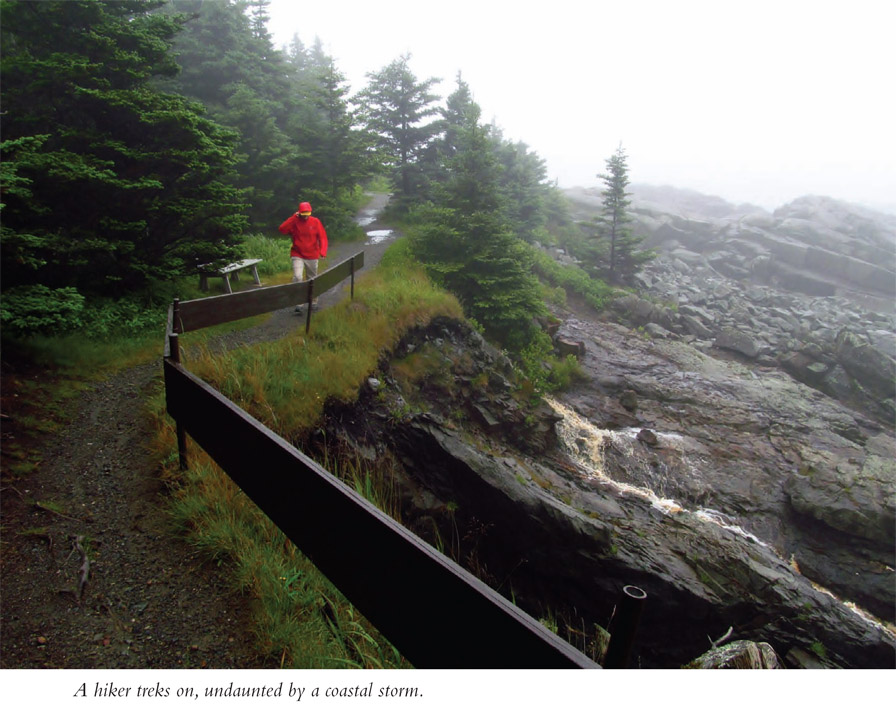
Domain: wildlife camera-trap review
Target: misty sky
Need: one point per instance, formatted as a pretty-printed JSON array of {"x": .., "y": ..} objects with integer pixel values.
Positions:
[{"x": 753, "y": 101}]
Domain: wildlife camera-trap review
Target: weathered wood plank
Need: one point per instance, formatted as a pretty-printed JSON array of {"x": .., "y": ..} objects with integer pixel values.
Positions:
[{"x": 214, "y": 310}]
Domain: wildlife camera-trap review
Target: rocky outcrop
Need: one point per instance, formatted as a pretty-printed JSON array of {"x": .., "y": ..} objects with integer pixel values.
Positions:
[
  {"x": 687, "y": 515},
  {"x": 814, "y": 245},
  {"x": 809, "y": 288},
  {"x": 857, "y": 499},
  {"x": 805, "y": 291},
  {"x": 831, "y": 344},
  {"x": 804, "y": 474}
]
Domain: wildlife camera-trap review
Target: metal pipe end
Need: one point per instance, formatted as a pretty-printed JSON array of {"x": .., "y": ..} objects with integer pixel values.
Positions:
[{"x": 634, "y": 592}]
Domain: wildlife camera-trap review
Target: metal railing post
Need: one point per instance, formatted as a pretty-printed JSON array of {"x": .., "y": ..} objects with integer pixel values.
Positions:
[{"x": 624, "y": 626}]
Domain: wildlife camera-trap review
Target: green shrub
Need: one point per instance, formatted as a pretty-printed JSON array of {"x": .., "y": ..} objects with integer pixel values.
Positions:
[
  {"x": 595, "y": 292},
  {"x": 273, "y": 251},
  {"x": 544, "y": 370},
  {"x": 40, "y": 309}
]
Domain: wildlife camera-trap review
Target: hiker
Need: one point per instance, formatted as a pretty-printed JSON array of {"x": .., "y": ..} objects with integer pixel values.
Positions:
[{"x": 309, "y": 243}]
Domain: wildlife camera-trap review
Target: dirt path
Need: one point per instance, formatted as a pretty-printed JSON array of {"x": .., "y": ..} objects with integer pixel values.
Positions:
[{"x": 150, "y": 600}]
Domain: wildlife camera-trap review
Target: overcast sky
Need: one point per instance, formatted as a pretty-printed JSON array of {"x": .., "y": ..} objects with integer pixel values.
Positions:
[{"x": 753, "y": 101}]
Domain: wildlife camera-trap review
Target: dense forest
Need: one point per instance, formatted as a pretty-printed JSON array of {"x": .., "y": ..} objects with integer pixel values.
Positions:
[{"x": 142, "y": 138}]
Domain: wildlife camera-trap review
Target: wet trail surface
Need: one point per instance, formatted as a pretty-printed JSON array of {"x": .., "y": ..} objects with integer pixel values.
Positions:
[{"x": 150, "y": 600}]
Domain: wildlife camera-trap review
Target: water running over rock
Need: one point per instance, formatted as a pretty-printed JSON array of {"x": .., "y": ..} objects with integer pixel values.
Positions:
[{"x": 586, "y": 443}]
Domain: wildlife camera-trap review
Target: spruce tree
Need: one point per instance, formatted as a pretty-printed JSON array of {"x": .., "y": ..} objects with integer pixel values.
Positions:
[
  {"x": 396, "y": 107},
  {"x": 115, "y": 183},
  {"x": 523, "y": 183},
  {"x": 229, "y": 64},
  {"x": 464, "y": 238},
  {"x": 341, "y": 152},
  {"x": 618, "y": 256}
]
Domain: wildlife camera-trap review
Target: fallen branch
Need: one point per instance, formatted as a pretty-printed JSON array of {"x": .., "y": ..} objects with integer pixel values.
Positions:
[
  {"x": 721, "y": 639},
  {"x": 10, "y": 486},
  {"x": 84, "y": 570}
]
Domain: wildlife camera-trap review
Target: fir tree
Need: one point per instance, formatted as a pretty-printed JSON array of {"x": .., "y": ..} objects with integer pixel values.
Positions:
[{"x": 228, "y": 63}]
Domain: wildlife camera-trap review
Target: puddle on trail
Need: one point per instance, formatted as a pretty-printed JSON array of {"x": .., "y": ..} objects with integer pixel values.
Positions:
[{"x": 377, "y": 236}]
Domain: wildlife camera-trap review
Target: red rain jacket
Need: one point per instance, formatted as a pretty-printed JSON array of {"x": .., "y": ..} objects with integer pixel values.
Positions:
[{"x": 309, "y": 239}]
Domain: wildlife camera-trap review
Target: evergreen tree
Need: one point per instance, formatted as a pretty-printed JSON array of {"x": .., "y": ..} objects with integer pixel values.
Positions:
[
  {"x": 341, "y": 152},
  {"x": 258, "y": 11},
  {"x": 229, "y": 64},
  {"x": 529, "y": 203},
  {"x": 296, "y": 56},
  {"x": 299, "y": 138},
  {"x": 114, "y": 183},
  {"x": 267, "y": 169},
  {"x": 465, "y": 240},
  {"x": 335, "y": 151},
  {"x": 460, "y": 112},
  {"x": 396, "y": 106},
  {"x": 523, "y": 184},
  {"x": 619, "y": 245}
]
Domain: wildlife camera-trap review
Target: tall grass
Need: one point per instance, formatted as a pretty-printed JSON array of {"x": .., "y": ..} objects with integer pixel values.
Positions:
[
  {"x": 274, "y": 253},
  {"x": 300, "y": 619}
]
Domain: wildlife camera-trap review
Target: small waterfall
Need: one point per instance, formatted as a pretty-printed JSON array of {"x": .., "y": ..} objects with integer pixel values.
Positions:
[
  {"x": 586, "y": 444},
  {"x": 723, "y": 521}
]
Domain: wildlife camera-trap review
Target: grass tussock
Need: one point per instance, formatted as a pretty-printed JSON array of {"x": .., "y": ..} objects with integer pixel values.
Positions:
[{"x": 300, "y": 619}]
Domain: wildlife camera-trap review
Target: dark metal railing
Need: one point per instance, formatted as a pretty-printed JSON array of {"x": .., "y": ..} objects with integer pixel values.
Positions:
[{"x": 436, "y": 614}]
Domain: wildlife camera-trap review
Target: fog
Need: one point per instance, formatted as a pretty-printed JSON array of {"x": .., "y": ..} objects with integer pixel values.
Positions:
[{"x": 755, "y": 101}]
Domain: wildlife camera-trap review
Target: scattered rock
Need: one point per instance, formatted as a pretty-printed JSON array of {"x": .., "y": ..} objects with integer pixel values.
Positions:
[
  {"x": 647, "y": 437},
  {"x": 738, "y": 341},
  {"x": 738, "y": 655},
  {"x": 566, "y": 347}
]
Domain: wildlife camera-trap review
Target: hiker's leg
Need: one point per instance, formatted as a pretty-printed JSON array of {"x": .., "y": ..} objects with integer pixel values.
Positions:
[{"x": 298, "y": 265}]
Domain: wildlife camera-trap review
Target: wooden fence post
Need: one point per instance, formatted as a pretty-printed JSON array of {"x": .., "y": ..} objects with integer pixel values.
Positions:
[
  {"x": 174, "y": 348},
  {"x": 353, "y": 279},
  {"x": 310, "y": 302}
]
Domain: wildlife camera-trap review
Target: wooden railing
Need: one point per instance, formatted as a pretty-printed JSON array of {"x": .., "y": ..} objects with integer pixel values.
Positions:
[
  {"x": 213, "y": 310},
  {"x": 435, "y": 613}
]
